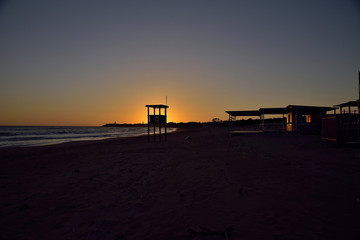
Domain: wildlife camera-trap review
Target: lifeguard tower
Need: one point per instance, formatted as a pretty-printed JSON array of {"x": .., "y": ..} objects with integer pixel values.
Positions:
[{"x": 158, "y": 119}]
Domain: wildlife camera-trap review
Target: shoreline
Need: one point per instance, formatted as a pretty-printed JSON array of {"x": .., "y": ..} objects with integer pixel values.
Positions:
[
  {"x": 89, "y": 140},
  {"x": 262, "y": 186}
]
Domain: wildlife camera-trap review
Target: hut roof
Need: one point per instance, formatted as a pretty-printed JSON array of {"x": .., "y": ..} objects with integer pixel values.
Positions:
[
  {"x": 244, "y": 113},
  {"x": 285, "y": 110},
  {"x": 273, "y": 110},
  {"x": 310, "y": 108},
  {"x": 348, "y": 104}
]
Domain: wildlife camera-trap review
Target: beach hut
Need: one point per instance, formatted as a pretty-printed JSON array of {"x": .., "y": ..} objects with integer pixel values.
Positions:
[{"x": 305, "y": 119}]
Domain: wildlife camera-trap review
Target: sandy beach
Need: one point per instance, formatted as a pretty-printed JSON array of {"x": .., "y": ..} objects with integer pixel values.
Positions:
[{"x": 259, "y": 186}]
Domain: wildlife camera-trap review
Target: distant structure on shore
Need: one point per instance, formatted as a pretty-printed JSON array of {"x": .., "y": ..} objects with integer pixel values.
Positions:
[
  {"x": 341, "y": 127},
  {"x": 123, "y": 125},
  {"x": 298, "y": 118},
  {"x": 169, "y": 124}
]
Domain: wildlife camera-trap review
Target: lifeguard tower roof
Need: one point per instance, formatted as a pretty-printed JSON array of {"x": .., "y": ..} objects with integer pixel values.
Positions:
[{"x": 157, "y": 106}]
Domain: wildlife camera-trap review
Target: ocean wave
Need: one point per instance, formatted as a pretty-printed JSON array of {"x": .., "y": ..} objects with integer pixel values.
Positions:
[{"x": 36, "y": 136}]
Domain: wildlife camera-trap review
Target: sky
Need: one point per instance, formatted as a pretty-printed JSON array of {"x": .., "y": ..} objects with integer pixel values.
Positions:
[{"x": 87, "y": 63}]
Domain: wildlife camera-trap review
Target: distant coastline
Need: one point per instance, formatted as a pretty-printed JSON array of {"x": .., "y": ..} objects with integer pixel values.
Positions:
[
  {"x": 124, "y": 125},
  {"x": 215, "y": 122},
  {"x": 170, "y": 124}
]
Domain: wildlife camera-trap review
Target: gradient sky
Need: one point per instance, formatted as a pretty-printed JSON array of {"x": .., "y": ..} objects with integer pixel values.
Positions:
[{"x": 92, "y": 62}]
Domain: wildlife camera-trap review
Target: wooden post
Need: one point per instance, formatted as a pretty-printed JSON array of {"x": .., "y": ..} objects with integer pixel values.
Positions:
[
  {"x": 165, "y": 123},
  {"x": 148, "y": 124},
  {"x": 154, "y": 127},
  {"x": 229, "y": 123},
  {"x": 296, "y": 120},
  {"x": 262, "y": 117},
  {"x": 358, "y": 102},
  {"x": 159, "y": 124}
]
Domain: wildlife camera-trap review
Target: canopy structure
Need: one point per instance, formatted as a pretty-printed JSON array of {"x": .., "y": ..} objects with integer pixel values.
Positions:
[
  {"x": 260, "y": 113},
  {"x": 247, "y": 113},
  {"x": 273, "y": 110},
  {"x": 298, "y": 116},
  {"x": 157, "y": 119},
  {"x": 243, "y": 113},
  {"x": 309, "y": 108},
  {"x": 348, "y": 105}
]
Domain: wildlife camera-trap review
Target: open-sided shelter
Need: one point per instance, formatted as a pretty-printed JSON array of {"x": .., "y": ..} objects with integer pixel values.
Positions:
[
  {"x": 298, "y": 118},
  {"x": 344, "y": 126}
]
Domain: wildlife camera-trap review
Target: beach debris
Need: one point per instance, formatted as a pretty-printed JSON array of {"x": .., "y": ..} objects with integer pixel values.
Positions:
[
  {"x": 207, "y": 233},
  {"x": 188, "y": 138}
]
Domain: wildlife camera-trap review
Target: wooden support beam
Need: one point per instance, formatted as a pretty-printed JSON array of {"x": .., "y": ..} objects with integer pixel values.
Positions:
[
  {"x": 148, "y": 118},
  {"x": 154, "y": 128},
  {"x": 165, "y": 124},
  {"x": 159, "y": 124}
]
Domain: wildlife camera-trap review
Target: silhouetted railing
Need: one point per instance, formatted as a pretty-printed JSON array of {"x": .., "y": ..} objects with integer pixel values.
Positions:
[
  {"x": 349, "y": 127},
  {"x": 341, "y": 128}
]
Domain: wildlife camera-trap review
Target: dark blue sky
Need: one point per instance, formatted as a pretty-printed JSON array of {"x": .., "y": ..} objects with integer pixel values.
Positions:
[{"x": 89, "y": 62}]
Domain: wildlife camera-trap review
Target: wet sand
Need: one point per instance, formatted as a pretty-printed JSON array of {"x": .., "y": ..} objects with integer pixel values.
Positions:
[{"x": 258, "y": 186}]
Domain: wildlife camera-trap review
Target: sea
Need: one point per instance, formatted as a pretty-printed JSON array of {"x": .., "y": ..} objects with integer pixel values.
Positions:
[{"x": 26, "y": 136}]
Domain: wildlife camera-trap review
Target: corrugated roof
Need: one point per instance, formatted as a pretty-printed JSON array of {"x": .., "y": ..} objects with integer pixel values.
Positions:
[
  {"x": 347, "y": 104},
  {"x": 273, "y": 110},
  {"x": 244, "y": 113},
  {"x": 288, "y": 109},
  {"x": 301, "y": 107}
]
